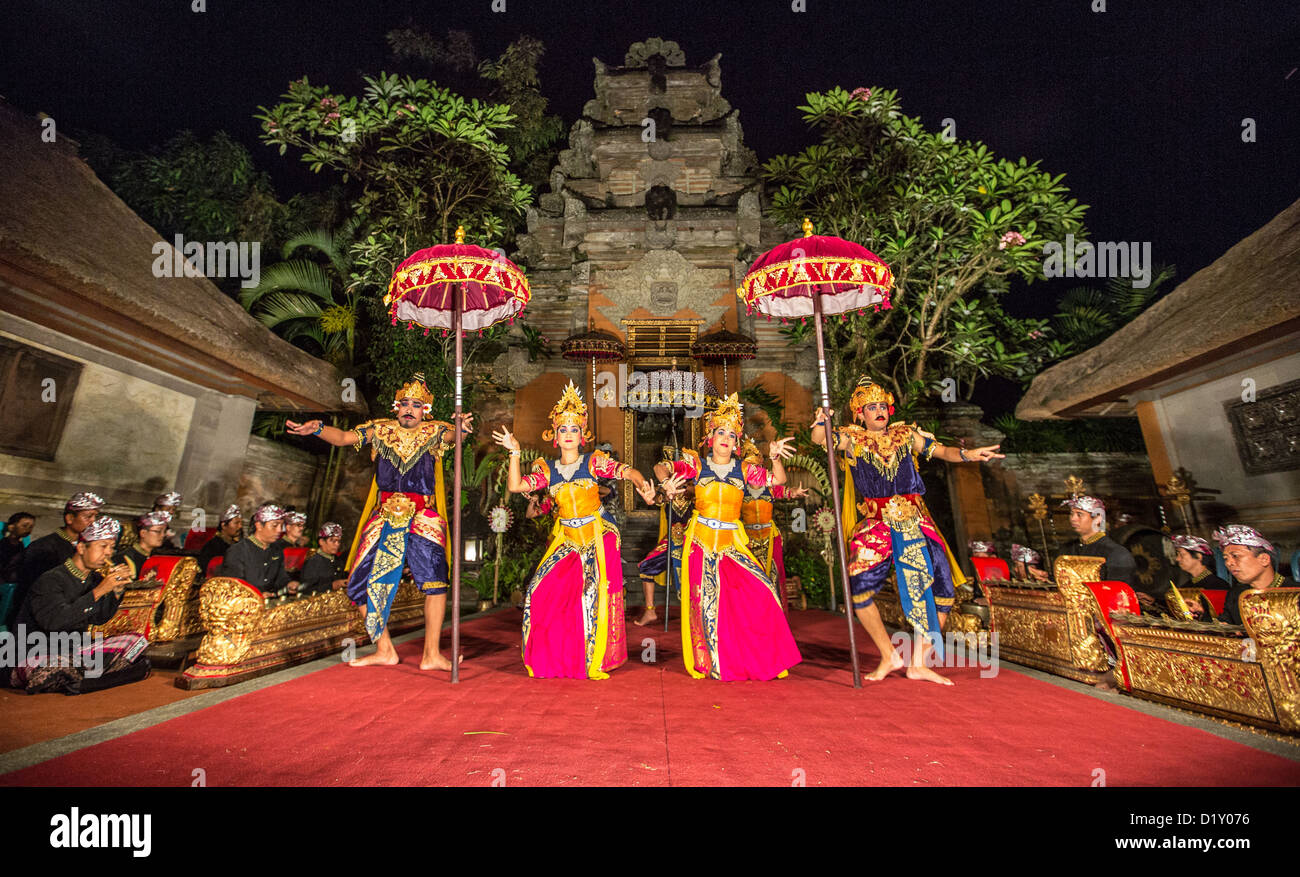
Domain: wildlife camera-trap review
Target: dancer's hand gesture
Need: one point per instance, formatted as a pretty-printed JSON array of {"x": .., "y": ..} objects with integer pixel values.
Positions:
[
  {"x": 796, "y": 493},
  {"x": 820, "y": 419},
  {"x": 466, "y": 421},
  {"x": 503, "y": 437},
  {"x": 647, "y": 491},
  {"x": 780, "y": 449},
  {"x": 307, "y": 428},
  {"x": 673, "y": 486},
  {"x": 985, "y": 454}
]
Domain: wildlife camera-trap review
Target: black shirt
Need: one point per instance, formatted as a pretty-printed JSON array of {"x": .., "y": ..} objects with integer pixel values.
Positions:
[
  {"x": 260, "y": 566},
  {"x": 1119, "y": 566},
  {"x": 136, "y": 559},
  {"x": 217, "y": 546},
  {"x": 62, "y": 601},
  {"x": 320, "y": 572},
  {"x": 41, "y": 556},
  {"x": 9, "y": 554},
  {"x": 1231, "y": 611}
]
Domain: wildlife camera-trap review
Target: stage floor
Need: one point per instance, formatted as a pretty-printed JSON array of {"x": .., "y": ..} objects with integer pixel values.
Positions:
[{"x": 326, "y": 724}]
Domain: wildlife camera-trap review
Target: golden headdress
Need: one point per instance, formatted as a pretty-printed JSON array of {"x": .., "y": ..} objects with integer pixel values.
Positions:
[
  {"x": 570, "y": 410},
  {"x": 749, "y": 451},
  {"x": 868, "y": 391},
  {"x": 418, "y": 390},
  {"x": 729, "y": 413}
]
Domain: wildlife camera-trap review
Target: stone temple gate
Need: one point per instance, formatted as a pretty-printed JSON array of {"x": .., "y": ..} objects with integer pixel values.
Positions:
[{"x": 653, "y": 215}]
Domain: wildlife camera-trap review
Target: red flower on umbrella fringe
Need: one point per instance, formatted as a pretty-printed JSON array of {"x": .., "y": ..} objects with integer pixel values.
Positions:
[
  {"x": 846, "y": 275},
  {"x": 420, "y": 292}
]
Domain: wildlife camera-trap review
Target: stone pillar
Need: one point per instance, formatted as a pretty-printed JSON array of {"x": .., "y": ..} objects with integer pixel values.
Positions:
[{"x": 213, "y": 459}]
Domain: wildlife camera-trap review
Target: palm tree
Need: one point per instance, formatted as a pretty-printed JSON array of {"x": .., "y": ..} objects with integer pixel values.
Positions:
[{"x": 306, "y": 298}]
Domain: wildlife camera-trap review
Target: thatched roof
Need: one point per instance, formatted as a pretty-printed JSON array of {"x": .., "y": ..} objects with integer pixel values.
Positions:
[
  {"x": 76, "y": 259},
  {"x": 1248, "y": 296}
]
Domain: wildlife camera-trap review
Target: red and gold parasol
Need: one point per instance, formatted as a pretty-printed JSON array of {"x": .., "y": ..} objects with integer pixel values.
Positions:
[
  {"x": 809, "y": 277},
  {"x": 594, "y": 344},
  {"x": 726, "y": 347},
  {"x": 456, "y": 288}
]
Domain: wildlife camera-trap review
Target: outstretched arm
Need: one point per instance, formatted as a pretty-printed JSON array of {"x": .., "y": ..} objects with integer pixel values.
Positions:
[
  {"x": 957, "y": 455},
  {"x": 331, "y": 434},
  {"x": 819, "y": 431}
]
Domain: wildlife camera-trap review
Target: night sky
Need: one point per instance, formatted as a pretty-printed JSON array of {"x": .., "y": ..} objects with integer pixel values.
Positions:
[{"x": 1141, "y": 105}]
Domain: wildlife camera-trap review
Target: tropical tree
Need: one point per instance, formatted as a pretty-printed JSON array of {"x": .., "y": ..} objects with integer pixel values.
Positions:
[
  {"x": 954, "y": 222},
  {"x": 313, "y": 299}
]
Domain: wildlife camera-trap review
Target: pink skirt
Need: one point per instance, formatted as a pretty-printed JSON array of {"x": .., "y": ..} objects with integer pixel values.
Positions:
[{"x": 561, "y": 612}]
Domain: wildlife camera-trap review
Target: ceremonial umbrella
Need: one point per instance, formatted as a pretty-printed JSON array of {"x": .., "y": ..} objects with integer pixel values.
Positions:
[
  {"x": 456, "y": 288},
  {"x": 725, "y": 347},
  {"x": 593, "y": 344},
  {"x": 670, "y": 390},
  {"x": 809, "y": 277}
]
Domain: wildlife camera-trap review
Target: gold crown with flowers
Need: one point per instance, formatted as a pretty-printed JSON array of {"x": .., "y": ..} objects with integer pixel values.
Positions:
[
  {"x": 415, "y": 389},
  {"x": 569, "y": 411},
  {"x": 729, "y": 413},
  {"x": 868, "y": 391}
]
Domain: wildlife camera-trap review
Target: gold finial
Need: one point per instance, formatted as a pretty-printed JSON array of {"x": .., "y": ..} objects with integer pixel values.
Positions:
[
  {"x": 1177, "y": 491},
  {"x": 460, "y": 234},
  {"x": 1037, "y": 505},
  {"x": 1074, "y": 484},
  {"x": 740, "y": 292},
  {"x": 807, "y": 227}
]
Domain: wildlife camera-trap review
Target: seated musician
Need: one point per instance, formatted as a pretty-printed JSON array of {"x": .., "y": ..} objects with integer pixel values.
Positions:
[
  {"x": 294, "y": 525},
  {"x": 17, "y": 536},
  {"x": 979, "y": 548},
  {"x": 324, "y": 569},
  {"x": 1088, "y": 520},
  {"x": 151, "y": 530},
  {"x": 170, "y": 503},
  {"x": 1194, "y": 556},
  {"x": 1026, "y": 563},
  {"x": 259, "y": 559},
  {"x": 229, "y": 531},
  {"x": 50, "y": 551},
  {"x": 79, "y": 592},
  {"x": 1253, "y": 563}
]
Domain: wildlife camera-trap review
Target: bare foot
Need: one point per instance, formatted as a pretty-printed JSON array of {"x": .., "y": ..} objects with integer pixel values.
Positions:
[
  {"x": 647, "y": 617},
  {"x": 378, "y": 659},
  {"x": 438, "y": 662},
  {"x": 927, "y": 674},
  {"x": 886, "y": 666}
]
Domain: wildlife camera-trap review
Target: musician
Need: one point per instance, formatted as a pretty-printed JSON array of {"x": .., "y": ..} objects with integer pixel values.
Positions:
[
  {"x": 85, "y": 589},
  {"x": 1088, "y": 520},
  {"x": 169, "y": 502},
  {"x": 151, "y": 530},
  {"x": 294, "y": 525},
  {"x": 1252, "y": 561},
  {"x": 324, "y": 569},
  {"x": 1194, "y": 556},
  {"x": 1026, "y": 563},
  {"x": 50, "y": 550},
  {"x": 259, "y": 559},
  {"x": 229, "y": 531}
]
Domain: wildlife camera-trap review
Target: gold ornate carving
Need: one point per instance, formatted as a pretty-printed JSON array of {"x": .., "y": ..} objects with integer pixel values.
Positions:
[
  {"x": 1082, "y": 610},
  {"x": 1272, "y": 618},
  {"x": 134, "y": 614},
  {"x": 231, "y": 610},
  {"x": 1074, "y": 485},
  {"x": 180, "y": 603}
]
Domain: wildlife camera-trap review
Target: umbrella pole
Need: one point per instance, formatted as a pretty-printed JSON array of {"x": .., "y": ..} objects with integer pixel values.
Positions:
[
  {"x": 835, "y": 486},
  {"x": 456, "y": 310},
  {"x": 668, "y": 582}
]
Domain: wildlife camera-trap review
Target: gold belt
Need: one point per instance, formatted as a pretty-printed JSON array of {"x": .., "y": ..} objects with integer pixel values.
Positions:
[{"x": 398, "y": 510}]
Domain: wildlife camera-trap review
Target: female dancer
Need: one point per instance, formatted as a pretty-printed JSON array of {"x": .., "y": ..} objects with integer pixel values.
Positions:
[
  {"x": 573, "y": 607},
  {"x": 733, "y": 626},
  {"x": 756, "y": 513}
]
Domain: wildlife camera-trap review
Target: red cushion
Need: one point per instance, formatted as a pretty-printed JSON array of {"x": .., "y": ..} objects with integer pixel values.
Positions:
[
  {"x": 212, "y": 566},
  {"x": 196, "y": 539},
  {"x": 163, "y": 565},
  {"x": 294, "y": 558},
  {"x": 1115, "y": 597},
  {"x": 1216, "y": 598},
  {"x": 990, "y": 568}
]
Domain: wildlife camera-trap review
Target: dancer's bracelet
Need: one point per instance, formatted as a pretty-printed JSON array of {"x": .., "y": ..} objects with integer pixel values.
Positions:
[{"x": 320, "y": 426}]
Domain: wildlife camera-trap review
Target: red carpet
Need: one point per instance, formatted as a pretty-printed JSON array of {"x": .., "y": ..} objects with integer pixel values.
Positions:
[{"x": 653, "y": 725}]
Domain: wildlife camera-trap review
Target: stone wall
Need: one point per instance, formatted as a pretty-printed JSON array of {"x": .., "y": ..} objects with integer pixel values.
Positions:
[{"x": 276, "y": 472}]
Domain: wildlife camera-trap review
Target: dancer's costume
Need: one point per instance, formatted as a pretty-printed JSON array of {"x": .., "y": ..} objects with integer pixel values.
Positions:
[
  {"x": 573, "y": 607},
  {"x": 886, "y": 517},
  {"x": 733, "y": 623},
  {"x": 408, "y": 524},
  {"x": 654, "y": 566},
  {"x": 756, "y": 514}
]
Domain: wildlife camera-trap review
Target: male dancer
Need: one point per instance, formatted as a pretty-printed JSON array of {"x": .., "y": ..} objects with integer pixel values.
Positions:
[
  {"x": 882, "y": 458},
  {"x": 406, "y": 528}
]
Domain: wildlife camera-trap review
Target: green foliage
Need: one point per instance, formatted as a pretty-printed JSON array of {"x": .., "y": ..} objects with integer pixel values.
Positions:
[
  {"x": 312, "y": 299},
  {"x": 803, "y": 557},
  {"x": 814, "y": 466},
  {"x": 772, "y": 406},
  {"x": 1090, "y": 435},
  {"x": 534, "y": 141},
  {"x": 537, "y": 344},
  {"x": 944, "y": 215}
]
